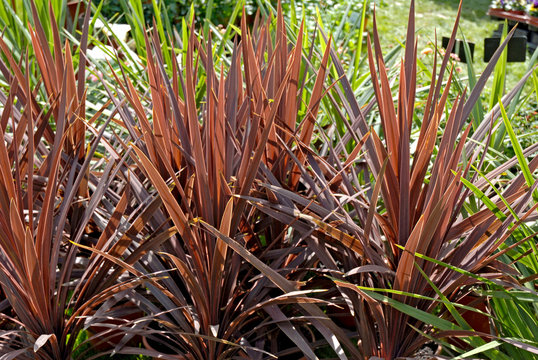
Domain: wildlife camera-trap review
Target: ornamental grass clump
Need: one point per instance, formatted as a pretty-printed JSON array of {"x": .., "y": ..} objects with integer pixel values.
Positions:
[
  {"x": 57, "y": 199},
  {"x": 235, "y": 201},
  {"x": 423, "y": 225},
  {"x": 202, "y": 158}
]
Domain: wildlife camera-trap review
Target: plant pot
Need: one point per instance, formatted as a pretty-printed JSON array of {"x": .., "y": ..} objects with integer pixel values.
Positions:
[
  {"x": 341, "y": 316},
  {"x": 72, "y": 7},
  {"x": 147, "y": 346},
  {"x": 121, "y": 315},
  {"x": 475, "y": 320}
]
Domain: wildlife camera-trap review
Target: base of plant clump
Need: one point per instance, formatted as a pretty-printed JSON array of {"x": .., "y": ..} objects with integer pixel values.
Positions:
[
  {"x": 146, "y": 344},
  {"x": 426, "y": 353},
  {"x": 122, "y": 314}
]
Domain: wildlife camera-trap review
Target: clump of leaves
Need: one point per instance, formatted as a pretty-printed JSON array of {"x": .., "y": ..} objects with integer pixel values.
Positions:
[
  {"x": 204, "y": 139},
  {"x": 420, "y": 220},
  {"x": 232, "y": 210},
  {"x": 57, "y": 197}
]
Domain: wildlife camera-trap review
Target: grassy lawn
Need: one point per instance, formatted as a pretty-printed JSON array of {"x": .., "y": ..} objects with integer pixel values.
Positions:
[
  {"x": 438, "y": 16},
  {"x": 432, "y": 16}
]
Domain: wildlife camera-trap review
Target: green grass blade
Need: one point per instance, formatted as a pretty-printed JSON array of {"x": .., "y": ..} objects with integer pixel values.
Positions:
[
  {"x": 420, "y": 315},
  {"x": 499, "y": 73},
  {"x": 358, "y": 54},
  {"x": 208, "y": 12},
  {"x": 478, "y": 350},
  {"x": 228, "y": 34},
  {"x": 478, "y": 112},
  {"x": 485, "y": 199},
  {"x": 517, "y": 149}
]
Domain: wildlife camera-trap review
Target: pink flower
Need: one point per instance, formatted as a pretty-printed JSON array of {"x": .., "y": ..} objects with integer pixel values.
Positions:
[
  {"x": 455, "y": 57},
  {"x": 94, "y": 77},
  {"x": 427, "y": 51}
]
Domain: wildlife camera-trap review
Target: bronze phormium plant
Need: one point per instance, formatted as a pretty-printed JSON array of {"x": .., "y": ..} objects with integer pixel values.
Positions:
[
  {"x": 204, "y": 138},
  {"x": 234, "y": 201},
  {"x": 399, "y": 240},
  {"x": 56, "y": 198}
]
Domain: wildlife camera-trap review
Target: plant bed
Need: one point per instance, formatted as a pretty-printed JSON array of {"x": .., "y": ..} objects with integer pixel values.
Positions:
[{"x": 241, "y": 194}]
